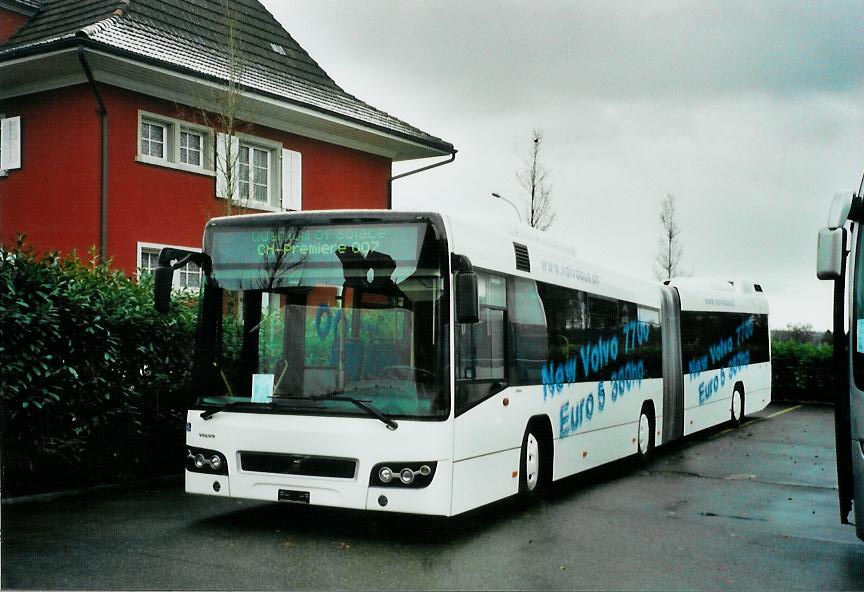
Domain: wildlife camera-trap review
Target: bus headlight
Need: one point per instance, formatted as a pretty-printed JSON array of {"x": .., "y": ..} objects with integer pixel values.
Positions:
[
  {"x": 413, "y": 475},
  {"x": 201, "y": 460}
]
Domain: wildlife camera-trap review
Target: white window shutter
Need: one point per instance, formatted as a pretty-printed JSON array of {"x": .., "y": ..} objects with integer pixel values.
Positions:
[
  {"x": 10, "y": 150},
  {"x": 292, "y": 180},
  {"x": 223, "y": 155}
]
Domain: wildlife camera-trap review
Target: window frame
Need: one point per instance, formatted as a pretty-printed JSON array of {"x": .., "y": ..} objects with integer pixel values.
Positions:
[
  {"x": 149, "y": 247},
  {"x": 173, "y": 130},
  {"x": 201, "y": 150},
  {"x": 151, "y": 124},
  {"x": 252, "y": 178},
  {"x": 3, "y": 172},
  {"x": 276, "y": 154},
  {"x": 505, "y": 380},
  {"x": 18, "y": 149}
]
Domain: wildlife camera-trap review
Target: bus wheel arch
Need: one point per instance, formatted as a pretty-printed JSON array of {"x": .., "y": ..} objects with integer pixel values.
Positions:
[
  {"x": 736, "y": 406},
  {"x": 536, "y": 456},
  {"x": 645, "y": 437}
]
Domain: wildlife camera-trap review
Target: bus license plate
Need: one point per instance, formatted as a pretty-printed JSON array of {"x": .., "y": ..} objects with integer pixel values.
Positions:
[{"x": 298, "y": 497}]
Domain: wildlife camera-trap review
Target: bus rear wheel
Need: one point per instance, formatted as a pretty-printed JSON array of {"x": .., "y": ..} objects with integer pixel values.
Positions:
[
  {"x": 737, "y": 408},
  {"x": 645, "y": 436}
]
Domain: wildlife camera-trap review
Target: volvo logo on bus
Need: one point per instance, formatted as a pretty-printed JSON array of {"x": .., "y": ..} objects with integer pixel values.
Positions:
[{"x": 297, "y": 463}]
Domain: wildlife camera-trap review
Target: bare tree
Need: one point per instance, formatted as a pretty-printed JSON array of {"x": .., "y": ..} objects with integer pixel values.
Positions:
[
  {"x": 533, "y": 178},
  {"x": 669, "y": 250},
  {"x": 227, "y": 111}
]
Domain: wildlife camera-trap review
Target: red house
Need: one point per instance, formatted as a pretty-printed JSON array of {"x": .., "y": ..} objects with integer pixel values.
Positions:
[{"x": 126, "y": 124}]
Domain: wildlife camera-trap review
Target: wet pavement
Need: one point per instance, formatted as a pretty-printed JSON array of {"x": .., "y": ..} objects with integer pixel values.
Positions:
[{"x": 752, "y": 508}]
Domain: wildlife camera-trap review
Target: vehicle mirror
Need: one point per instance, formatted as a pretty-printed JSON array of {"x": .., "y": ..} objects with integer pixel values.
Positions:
[
  {"x": 163, "y": 279},
  {"x": 467, "y": 299},
  {"x": 830, "y": 252}
]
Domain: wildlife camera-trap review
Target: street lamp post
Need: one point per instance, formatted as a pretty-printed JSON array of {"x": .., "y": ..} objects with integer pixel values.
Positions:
[{"x": 515, "y": 209}]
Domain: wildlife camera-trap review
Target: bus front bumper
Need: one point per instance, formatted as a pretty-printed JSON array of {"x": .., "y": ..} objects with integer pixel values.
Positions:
[{"x": 433, "y": 499}]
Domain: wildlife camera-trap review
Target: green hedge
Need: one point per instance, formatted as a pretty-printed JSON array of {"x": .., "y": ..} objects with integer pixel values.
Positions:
[
  {"x": 802, "y": 371},
  {"x": 92, "y": 379}
]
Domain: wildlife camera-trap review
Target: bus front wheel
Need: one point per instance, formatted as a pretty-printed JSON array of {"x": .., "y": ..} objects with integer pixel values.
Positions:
[{"x": 529, "y": 464}]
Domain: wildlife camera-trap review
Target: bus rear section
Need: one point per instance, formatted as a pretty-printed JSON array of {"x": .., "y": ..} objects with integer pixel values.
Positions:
[
  {"x": 569, "y": 366},
  {"x": 725, "y": 352}
]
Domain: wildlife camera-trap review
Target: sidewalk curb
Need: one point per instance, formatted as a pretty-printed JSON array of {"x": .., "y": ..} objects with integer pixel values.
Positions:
[{"x": 94, "y": 490}]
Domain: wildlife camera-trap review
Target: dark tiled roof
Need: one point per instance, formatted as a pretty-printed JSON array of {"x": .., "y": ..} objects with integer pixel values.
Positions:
[
  {"x": 29, "y": 6},
  {"x": 192, "y": 35}
]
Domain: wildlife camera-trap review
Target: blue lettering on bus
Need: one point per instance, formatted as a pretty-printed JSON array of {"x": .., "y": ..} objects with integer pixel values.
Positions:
[
  {"x": 627, "y": 377},
  {"x": 744, "y": 331},
  {"x": 601, "y": 396},
  {"x": 696, "y": 366},
  {"x": 708, "y": 389},
  {"x": 555, "y": 375},
  {"x": 635, "y": 334},
  {"x": 323, "y": 320},
  {"x": 720, "y": 350},
  {"x": 573, "y": 415},
  {"x": 596, "y": 356},
  {"x": 738, "y": 361}
]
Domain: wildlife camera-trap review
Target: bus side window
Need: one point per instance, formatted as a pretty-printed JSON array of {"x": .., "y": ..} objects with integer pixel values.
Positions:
[
  {"x": 480, "y": 347},
  {"x": 527, "y": 333}
]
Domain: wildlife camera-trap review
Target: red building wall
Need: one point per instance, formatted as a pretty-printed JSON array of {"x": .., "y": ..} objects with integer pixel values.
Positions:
[
  {"x": 10, "y": 22},
  {"x": 54, "y": 198}
]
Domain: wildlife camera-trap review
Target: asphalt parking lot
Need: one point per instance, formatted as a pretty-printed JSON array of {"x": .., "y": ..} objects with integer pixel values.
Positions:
[{"x": 752, "y": 508}]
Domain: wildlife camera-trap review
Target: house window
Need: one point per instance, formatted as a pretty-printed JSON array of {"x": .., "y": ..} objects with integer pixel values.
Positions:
[
  {"x": 187, "y": 277},
  {"x": 148, "y": 260},
  {"x": 254, "y": 173},
  {"x": 191, "y": 145},
  {"x": 258, "y": 173},
  {"x": 10, "y": 144},
  {"x": 152, "y": 139},
  {"x": 175, "y": 144}
]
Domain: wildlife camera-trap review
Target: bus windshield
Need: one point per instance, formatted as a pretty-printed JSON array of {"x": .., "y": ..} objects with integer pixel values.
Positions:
[{"x": 315, "y": 318}]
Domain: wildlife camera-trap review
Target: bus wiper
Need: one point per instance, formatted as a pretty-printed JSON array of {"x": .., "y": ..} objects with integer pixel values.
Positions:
[
  {"x": 205, "y": 415},
  {"x": 339, "y": 396}
]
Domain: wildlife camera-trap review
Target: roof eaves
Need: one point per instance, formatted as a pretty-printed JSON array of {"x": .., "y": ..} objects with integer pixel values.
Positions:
[
  {"x": 81, "y": 38},
  {"x": 25, "y": 7}
]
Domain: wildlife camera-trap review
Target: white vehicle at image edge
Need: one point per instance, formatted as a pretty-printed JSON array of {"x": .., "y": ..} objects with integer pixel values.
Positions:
[
  {"x": 841, "y": 238},
  {"x": 413, "y": 362}
]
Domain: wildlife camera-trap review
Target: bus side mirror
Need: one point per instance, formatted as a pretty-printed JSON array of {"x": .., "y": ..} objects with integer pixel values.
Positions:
[
  {"x": 830, "y": 251},
  {"x": 170, "y": 259},
  {"x": 163, "y": 280},
  {"x": 467, "y": 300}
]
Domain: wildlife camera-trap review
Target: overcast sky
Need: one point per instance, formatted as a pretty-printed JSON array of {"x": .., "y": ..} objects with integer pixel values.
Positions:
[{"x": 750, "y": 113}]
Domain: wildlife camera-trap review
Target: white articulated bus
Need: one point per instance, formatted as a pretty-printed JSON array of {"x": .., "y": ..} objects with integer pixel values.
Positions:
[
  {"x": 843, "y": 238},
  {"x": 413, "y": 362}
]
